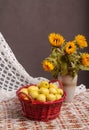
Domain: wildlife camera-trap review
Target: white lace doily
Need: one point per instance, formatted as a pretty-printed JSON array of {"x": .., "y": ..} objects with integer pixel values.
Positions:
[{"x": 13, "y": 75}]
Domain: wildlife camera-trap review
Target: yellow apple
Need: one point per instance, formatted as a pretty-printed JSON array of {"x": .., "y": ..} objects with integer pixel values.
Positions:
[
  {"x": 52, "y": 85},
  {"x": 60, "y": 91},
  {"x": 58, "y": 96},
  {"x": 33, "y": 94},
  {"x": 41, "y": 97},
  {"x": 32, "y": 88},
  {"x": 51, "y": 97},
  {"x": 52, "y": 90},
  {"x": 44, "y": 91},
  {"x": 24, "y": 90},
  {"x": 44, "y": 84}
]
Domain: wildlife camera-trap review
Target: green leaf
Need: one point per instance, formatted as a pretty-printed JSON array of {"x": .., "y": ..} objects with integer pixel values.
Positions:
[
  {"x": 64, "y": 69},
  {"x": 84, "y": 68},
  {"x": 55, "y": 73}
]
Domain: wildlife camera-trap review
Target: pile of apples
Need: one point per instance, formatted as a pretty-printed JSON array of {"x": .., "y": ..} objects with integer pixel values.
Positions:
[{"x": 43, "y": 91}]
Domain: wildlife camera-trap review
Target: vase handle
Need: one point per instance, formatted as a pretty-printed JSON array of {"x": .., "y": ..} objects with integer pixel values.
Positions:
[{"x": 59, "y": 82}]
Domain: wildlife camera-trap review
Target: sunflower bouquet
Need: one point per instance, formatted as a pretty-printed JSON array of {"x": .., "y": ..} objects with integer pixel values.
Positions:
[{"x": 65, "y": 57}]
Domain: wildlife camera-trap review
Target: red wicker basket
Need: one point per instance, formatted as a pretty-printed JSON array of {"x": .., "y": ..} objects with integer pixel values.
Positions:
[{"x": 40, "y": 111}]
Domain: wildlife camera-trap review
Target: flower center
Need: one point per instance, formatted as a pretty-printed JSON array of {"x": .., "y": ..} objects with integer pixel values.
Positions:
[
  {"x": 70, "y": 47},
  {"x": 55, "y": 40}
]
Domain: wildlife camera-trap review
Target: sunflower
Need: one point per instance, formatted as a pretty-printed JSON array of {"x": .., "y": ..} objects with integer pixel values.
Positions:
[
  {"x": 65, "y": 58},
  {"x": 70, "y": 47},
  {"x": 81, "y": 41},
  {"x": 85, "y": 59},
  {"x": 47, "y": 65},
  {"x": 56, "y": 39}
]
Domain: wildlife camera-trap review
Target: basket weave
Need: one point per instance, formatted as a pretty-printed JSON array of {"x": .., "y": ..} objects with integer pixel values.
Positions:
[{"x": 41, "y": 111}]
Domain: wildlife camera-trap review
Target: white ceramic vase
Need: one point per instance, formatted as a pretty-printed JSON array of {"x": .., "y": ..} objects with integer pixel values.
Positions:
[{"x": 69, "y": 85}]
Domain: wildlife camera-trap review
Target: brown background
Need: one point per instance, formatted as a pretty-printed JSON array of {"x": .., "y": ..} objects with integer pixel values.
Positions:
[{"x": 25, "y": 24}]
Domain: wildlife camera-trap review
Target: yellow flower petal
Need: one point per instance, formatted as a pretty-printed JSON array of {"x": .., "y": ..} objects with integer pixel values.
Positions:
[
  {"x": 81, "y": 41},
  {"x": 47, "y": 66},
  {"x": 56, "y": 39},
  {"x": 70, "y": 47},
  {"x": 85, "y": 59}
]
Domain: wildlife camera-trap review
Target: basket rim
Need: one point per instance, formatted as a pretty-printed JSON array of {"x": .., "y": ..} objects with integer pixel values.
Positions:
[{"x": 39, "y": 102}]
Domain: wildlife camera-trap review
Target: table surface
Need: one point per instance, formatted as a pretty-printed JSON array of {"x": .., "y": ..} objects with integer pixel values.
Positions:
[{"x": 73, "y": 116}]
